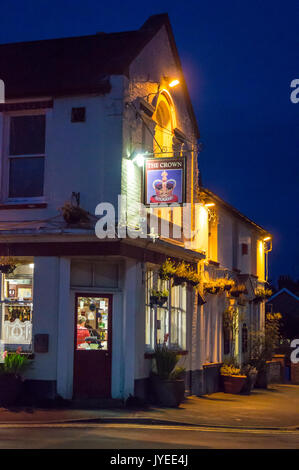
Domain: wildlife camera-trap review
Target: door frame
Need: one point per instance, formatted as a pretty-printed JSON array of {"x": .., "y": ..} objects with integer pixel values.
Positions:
[{"x": 110, "y": 324}]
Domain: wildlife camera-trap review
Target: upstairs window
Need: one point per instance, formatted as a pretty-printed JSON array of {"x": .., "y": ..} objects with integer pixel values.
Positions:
[
  {"x": 25, "y": 156},
  {"x": 165, "y": 124}
]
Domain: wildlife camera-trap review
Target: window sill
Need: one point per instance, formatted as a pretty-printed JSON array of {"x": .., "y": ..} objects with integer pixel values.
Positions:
[
  {"x": 150, "y": 355},
  {"x": 27, "y": 205},
  {"x": 212, "y": 364}
]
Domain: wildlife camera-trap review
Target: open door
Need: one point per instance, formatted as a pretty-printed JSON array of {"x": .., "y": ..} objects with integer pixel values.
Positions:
[{"x": 93, "y": 341}]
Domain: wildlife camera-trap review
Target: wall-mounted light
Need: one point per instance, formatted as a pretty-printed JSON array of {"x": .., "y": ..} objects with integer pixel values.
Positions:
[
  {"x": 210, "y": 204},
  {"x": 173, "y": 83},
  {"x": 267, "y": 244},
  {"x": 138, "y": 158}
]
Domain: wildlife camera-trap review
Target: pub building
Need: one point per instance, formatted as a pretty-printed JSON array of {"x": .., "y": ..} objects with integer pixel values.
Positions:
[{"x": 85, "y": 120}]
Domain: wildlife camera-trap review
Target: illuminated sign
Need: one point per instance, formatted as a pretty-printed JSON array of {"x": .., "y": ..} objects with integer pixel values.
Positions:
[{"x": 164, "y": 181}]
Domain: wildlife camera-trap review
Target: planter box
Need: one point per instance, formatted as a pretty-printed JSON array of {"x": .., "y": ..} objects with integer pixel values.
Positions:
[
  {"x": 233, "y": 383},
  {"x": 167, "y": 392},
  {"x": 10, "y": 389}
]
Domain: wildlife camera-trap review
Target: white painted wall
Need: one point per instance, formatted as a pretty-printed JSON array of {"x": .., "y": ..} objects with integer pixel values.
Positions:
[
  {"x": 45, "y": 315},
  {"x": 82, "y": 157}
]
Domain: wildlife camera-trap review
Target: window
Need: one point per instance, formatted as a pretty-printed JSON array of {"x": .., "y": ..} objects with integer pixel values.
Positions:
[
  {"x": 169, "y": 321},
  {"x": 165, "y": 123},
  {"x": 16, "y": 308},
  {"x": 25, "y": 156}
]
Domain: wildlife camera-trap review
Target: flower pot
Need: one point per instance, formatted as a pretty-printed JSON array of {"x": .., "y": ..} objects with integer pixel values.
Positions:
[
  {"x": 10, "y": 389},
  {"x": 262, "y": 379},
  {"x": 168, "y": 393},
  {"x": 233, "y": 383},
  {"x": 249, "y": 384}
]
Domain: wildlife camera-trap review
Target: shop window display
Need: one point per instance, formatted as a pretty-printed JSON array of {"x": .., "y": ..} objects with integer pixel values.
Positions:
[{"x": 17, "y": 308}]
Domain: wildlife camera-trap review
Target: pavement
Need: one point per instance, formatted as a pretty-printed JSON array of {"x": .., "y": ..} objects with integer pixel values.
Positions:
[{"x": 274, "y": 408}]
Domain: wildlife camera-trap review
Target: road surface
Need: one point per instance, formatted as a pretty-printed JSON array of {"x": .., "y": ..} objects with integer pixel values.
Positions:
[{"x": 136, "y": 436}]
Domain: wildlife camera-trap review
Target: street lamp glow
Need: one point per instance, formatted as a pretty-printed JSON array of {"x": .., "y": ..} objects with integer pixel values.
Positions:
[
  {"x": 139, "y": 159},
  {"x": 266, "y": 239}
]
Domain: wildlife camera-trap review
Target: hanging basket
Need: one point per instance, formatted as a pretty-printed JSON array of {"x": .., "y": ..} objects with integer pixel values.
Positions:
[
  {"x": 227, "y": 287},
  {"x": 178, "y": 281},
  {"x": 7, "y": 268},
  {"x": 234, "y": 293},
  {"x": 161, "y": 301}
]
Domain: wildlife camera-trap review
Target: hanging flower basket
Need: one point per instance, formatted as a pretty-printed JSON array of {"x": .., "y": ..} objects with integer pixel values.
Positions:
[
  {"x": 158, "y": 297},
  {"x": 162, "y": 300},
  {"x": 8, "y": 264},
  {"x": 7, "y": 268},
  {"x": 234, "y": 293},
  {"x": 228, "y": 287},
  {"x": 212, "y": 290},
  {"x": 167, "y": 270},
  {"x": 178, "y": 280}
]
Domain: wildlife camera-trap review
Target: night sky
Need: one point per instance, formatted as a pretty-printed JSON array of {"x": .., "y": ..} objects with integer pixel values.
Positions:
[{"x": 239, "y": 59}]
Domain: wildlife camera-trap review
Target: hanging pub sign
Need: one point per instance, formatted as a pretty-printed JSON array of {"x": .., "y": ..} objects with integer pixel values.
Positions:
[{"x": 164, "y": 181}]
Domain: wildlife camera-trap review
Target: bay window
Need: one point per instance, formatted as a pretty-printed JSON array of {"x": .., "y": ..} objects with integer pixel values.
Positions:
[{"x": 165, "y": 323}]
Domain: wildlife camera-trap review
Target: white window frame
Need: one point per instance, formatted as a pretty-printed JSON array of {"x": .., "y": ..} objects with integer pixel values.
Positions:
[
  {"x": 6, "y": 157},
  {"x": 153, "y": 314},
  {"x": 26, "y": 347}
]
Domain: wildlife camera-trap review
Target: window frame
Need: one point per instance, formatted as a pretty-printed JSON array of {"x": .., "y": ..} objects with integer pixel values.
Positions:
[
  {"x": 5, "y": 167},
  {"x": 168, "y": 309},
  {"x": 27, "y": 348}
]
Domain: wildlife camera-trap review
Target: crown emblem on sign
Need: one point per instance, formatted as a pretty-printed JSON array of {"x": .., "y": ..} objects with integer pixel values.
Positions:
[{"x": 164, "y": 188}]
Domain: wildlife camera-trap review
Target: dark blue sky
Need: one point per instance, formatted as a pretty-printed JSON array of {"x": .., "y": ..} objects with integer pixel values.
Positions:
[{"x": 239, "y": 58}]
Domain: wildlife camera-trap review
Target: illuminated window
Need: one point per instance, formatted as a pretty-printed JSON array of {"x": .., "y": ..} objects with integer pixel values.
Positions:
[
  {"x": 165, "y": 124},
  {"x": 16, "y": 308},
  {"x": 167, "y": 321}
]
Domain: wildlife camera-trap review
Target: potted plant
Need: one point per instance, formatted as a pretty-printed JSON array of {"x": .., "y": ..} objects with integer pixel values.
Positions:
[
  {"x": 210, "y": 287},
  {"x": 263, "y": 346},
  {"x": 261, "y": 294},
  {"x": 232, "y": 379},
  {"x": 8, "y": 264},
  {"x": 167, "y": 383},
  {"x": 158, "y": 297},
  {"x": 238, "y": 290},
  {"x": 11, "y": 376},
  {"x": 73, "y": 214},
  {"x": 251, "y": 376},
  {"x": 167, "y": 270}
]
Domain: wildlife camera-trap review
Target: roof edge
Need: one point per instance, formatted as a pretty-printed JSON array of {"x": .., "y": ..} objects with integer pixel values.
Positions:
[{"x": 232, "y": 209}]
